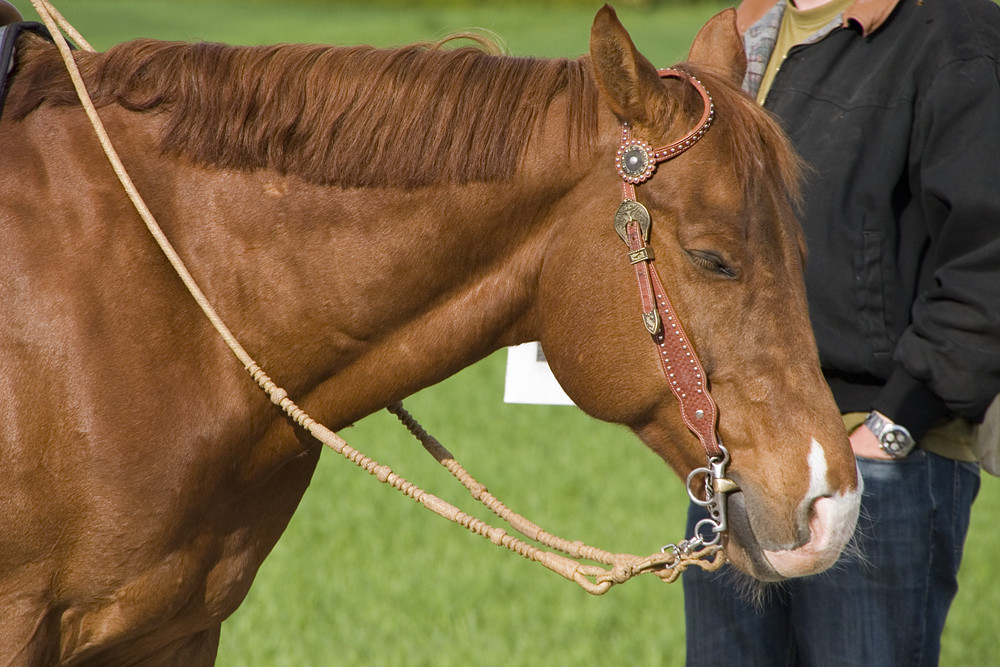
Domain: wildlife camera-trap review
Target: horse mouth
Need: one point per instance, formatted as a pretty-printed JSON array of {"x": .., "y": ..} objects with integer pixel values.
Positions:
[
  {"x": 830, "y": 525},
  {"x": 750, "y": 556}
]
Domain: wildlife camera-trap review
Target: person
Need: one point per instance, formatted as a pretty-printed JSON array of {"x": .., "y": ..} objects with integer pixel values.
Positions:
[{"x": 895, "y": 107}]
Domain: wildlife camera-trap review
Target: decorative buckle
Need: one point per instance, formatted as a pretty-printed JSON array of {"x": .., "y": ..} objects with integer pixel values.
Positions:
[{"x": 632, "y": 211}]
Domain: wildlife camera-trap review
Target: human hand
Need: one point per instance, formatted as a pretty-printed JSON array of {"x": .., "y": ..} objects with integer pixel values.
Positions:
[{"x": 865, "y": 444}]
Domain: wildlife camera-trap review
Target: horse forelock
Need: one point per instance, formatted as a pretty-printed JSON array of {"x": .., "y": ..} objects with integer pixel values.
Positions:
[
  {"x": 351, "y": 116},
  {"x": 761, "y": 157}
]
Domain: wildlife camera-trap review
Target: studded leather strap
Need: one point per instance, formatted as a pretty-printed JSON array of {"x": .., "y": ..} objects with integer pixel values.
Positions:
[
  {"x": 635, "y": 162},
  {"x": 681, "y": 365}
]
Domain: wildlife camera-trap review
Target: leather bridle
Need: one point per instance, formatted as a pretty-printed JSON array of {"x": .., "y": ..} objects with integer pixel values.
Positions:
[{"x": 636, "y": 161}]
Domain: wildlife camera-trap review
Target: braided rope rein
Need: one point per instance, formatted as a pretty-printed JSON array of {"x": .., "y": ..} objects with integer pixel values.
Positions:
[{"x": 667, "y": 564}]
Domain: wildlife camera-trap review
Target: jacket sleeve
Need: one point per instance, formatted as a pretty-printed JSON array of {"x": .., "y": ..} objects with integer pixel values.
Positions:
[{"x": 949, "y": 357}]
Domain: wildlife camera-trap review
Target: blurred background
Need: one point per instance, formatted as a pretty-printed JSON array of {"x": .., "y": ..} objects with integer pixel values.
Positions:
[{"x": 364, "y": 576}]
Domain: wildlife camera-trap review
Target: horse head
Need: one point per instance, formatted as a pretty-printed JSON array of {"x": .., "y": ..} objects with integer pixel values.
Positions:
[{"x": 731, "y": 255}]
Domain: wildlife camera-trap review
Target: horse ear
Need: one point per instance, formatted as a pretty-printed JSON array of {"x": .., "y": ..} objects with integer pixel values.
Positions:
[
  {"x": 719, "y": 46},
  {"x": 628, "y": 82}
]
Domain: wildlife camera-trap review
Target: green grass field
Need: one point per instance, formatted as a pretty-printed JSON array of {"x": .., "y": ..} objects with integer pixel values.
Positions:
[{"x": 366, "y": 577}]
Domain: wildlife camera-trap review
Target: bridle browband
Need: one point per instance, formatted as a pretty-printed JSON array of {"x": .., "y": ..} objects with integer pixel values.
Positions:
[{"x": 635, "y": 162}]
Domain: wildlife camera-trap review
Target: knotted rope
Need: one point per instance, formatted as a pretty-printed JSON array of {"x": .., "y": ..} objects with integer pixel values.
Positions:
[{"x": 668, "y": 564}]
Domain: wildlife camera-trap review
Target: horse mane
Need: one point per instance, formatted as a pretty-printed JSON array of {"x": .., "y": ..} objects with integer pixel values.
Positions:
[
  {"x": 366, "y": 117},
  {"x": 351, "y": 116}
]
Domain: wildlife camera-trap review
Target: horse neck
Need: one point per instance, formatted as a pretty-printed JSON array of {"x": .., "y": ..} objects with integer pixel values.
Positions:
[{"x": 381, "y": 291}]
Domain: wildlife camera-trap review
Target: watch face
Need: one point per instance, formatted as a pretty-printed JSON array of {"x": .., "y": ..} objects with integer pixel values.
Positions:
[{"x": 896, "y": 441}]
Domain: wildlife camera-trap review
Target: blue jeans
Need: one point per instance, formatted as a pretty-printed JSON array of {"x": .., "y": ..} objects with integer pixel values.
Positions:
[{"x": 887, "y": 607}]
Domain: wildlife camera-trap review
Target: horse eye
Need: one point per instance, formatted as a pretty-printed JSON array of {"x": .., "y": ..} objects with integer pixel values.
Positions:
[{"x": 713, "y": 262}]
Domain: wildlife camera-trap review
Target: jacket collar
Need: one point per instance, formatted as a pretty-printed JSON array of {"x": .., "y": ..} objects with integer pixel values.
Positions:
[{"x": 869, "y": 14}]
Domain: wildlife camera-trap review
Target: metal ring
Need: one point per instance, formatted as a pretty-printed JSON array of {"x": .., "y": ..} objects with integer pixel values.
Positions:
[
  {"x": 714, "y": 526},
  {"x": 710, "y": 498}
]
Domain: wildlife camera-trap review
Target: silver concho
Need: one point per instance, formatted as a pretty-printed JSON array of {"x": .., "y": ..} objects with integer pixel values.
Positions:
[{"x": 634, "y": 161}]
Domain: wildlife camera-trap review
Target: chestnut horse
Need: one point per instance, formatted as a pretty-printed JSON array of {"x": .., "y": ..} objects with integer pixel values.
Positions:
[{"x": 367, "y": 222}]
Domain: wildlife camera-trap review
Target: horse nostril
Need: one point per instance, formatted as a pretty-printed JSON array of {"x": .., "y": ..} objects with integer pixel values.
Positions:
[
  {"x": 814, "y": 524},
  {"x": 814, "y": 520}
]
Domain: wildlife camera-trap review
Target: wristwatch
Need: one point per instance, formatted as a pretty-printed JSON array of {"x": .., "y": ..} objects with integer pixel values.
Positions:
[{"x": 894, "y": 439}]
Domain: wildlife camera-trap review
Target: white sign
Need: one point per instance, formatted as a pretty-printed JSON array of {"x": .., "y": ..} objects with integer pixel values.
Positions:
[{"x": 529, "y": 379}]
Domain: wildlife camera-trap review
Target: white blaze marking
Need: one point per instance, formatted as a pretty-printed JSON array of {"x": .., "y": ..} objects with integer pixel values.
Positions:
[{"x": 817, "y": 472}]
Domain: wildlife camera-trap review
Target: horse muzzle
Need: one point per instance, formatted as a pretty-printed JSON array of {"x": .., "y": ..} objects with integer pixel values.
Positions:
[
  {"x": 824, "y": 521},
  {"x": 831, "y": 524}
]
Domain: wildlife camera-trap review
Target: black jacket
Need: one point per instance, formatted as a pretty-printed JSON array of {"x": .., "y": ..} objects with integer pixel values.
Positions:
[{"x": 897, "y": 112}]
